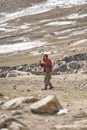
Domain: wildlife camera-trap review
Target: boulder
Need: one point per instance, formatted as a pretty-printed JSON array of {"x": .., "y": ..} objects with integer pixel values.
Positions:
[
  {"x": 73, "y": 65},
  {"x": 11, "y": 74},
  {"x": 63, "y": 68},
  {"x": 15, "y": 112},
  {"x": 49, "y": 104},
  {"x": 15, "y": 73},
  {"x": 18, "y": 101},
  {"x": 11, "y": 102}
]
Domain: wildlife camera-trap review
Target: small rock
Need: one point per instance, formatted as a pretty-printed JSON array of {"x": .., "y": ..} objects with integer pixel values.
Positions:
[
  {"x": 3, "y": 116},
  {"x": 15, "y": 126},
  {"x": 14, "y": 86},
  {"x": 1, "y": 102},
  {"x": 67, "y": 105},
  {"x": 15, "y": 113},
  {"x": 80, "y": 109},
  {"x": 28, "y": 90},
  {"x": 10, "y": 103}
]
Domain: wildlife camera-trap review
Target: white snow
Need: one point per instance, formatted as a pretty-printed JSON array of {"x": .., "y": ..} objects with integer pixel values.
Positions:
[
  {"x": 71, "y": 32},
  {"x": 71, "y": 126},
  {"x": 77, "y": 32},
  {"x": 64, "y": 31},
  {"x": 40, "y": 8},
  {"x": 32, "y": 10},
  {"x": 5, "y": 28},
  {"x": 36, "y": 53},
  {"x": 76, "y": 16},
  {"x": 46, "y": 20},
  {"x": 65, "y": 3},
  {"x": 19, "y": 46},
  {"x": 63, "y": 37},
  {"x": 62, "y": 111},
  {"x": 45, "y": 52},
  {"x": 79, "y": 42},
  {"x": 60, "y": 23},
  {"x": 3, "y": 25},
  {"x": 24, "y": 26}
]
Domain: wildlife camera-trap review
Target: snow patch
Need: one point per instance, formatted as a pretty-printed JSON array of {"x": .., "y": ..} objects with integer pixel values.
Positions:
[
  {"x": 41, "y": 52},
  {"x": 61, "y": 23},
  {"x": 64, "y": 31},
  {"x": 62, "y": 111},
  {"x": 5, "y": 28},
  {"x": 76, "y": 16},
  {"x": 40, "y": 8},
  {"x": 78, "y": 32},
  {"x": 63, "y": 37},
  {"x": 20, "y": 46},
  {"x": 79, "y": 42}
]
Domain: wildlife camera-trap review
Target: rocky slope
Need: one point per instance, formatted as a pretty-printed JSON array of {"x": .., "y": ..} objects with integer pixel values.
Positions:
[
  {"x": 12, "y": 5},
  {"x": 52, "y": 27},
  {"x": 72, "y": 64}
]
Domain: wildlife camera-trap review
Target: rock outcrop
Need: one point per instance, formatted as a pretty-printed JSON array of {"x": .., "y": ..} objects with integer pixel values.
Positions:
[{"x": 71, "y": 64}]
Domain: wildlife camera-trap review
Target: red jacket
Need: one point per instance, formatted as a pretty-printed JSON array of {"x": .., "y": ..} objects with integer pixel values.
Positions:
[{"x": 47, "y": 65}]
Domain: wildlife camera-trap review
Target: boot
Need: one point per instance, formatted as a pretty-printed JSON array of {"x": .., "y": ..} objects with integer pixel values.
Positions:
[
  {"x": 45, "y": 87},
  {"x": 50, "y": 86}
]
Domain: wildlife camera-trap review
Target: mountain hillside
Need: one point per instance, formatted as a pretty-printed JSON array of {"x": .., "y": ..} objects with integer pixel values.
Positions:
[{"x": 30, "y": 28}]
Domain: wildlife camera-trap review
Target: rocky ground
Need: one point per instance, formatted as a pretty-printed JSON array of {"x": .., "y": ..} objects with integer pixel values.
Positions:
[
  {"x": 71, "y": 64},
  {"x": 70, "y": 90},
  {"x": 20, "y": 87}
]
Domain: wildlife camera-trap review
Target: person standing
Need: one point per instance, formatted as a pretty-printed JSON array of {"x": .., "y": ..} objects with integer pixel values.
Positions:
[{"x": 47, "y": 66}]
